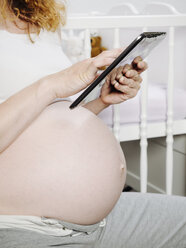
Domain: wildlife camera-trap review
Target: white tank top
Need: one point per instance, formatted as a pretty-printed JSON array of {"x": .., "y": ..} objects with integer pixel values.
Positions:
[{"x": 22, "y": 62}]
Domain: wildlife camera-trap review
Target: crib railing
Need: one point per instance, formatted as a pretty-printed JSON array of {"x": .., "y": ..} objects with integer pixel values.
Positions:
[{"x": 145, "y": 23}]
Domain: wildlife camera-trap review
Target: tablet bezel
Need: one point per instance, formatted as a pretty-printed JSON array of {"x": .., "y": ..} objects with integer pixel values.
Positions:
[{"x": 114, "y": 64}]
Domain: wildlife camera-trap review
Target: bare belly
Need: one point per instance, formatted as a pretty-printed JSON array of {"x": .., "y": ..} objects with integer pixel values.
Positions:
[{"x": 66, "y": 165}]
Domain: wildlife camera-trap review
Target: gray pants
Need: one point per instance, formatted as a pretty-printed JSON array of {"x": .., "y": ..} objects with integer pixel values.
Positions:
[{"x": 137, "y": 221}]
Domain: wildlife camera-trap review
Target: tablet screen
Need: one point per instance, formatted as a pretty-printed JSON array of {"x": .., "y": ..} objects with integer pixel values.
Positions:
[
  {"x": 141, "y": 46},
  {"x": 143, "y": 49}
]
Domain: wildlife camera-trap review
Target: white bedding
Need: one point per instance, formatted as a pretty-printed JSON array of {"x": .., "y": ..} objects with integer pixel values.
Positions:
[{"x": 156, "y": 109}]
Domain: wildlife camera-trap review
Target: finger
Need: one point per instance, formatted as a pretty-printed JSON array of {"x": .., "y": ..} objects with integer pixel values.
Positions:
[
  {"x": 114, "y": 53},
  {"x": 136, "y": 60},
  {"x": 131, "y": 73},
  {"x": 106, "y": 57},
  {"x": 132, "y": 93},
  {"x": 116, "y": 75},
  {"x": 122, "y": 88},
  {"x": 102, "y": 61},
  {"x": 126, "y": 68},
  {"x": 141, "y": 66},
  {"x": 106, "y": 89},
  {"x": 113, "y": 77},
  {"x": 116, "y": 97},
  {"x": 138, "y": 78},
  {"x": 127, "y": 81},
  {"x": 117, "y": 51},
  {"x": 136, "y": 86},
  {"x": 119, "y": 73},
  {"x": 108, "y": 78}
]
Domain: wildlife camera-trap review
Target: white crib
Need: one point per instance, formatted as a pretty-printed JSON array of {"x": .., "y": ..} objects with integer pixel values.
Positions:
[{"x": 143, "y": 130}]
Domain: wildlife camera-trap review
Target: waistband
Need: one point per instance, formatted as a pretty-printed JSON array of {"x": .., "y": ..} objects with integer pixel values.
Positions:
[{"x": 48, "y": 226}]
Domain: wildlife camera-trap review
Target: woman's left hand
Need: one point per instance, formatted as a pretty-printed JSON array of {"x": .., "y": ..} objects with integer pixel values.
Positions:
[{"x": 123, "y": 82}]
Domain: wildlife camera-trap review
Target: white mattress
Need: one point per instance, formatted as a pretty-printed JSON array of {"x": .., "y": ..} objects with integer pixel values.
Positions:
[{"x": 156, "y": 109}]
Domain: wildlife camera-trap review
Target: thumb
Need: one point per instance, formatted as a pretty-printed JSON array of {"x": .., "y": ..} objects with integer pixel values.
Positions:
[{"x": 105, "y": 58}]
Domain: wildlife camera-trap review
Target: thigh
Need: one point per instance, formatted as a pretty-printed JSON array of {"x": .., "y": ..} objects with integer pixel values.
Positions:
[
  {"x": 146, "y": 220},
  {"x": 19, "y": 238},
  {"x": 36, "y": 232}
]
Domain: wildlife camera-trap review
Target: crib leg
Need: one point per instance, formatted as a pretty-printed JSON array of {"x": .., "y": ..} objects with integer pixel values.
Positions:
[
  {"x": 143, "y": 132},
  {"x": 143, "y": 166},
  {"x": 169, "y": 140},
  {"x": 169, "y": 165},
  {"x": 116, "y": 111}
]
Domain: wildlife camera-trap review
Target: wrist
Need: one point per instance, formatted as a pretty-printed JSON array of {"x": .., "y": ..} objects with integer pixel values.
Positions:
[
  {"x": 102, "y": 103},
  {"x": 96, "y": 106},
  {"x": 45, "y": 90},
  {"x": 55, "y": 85}
]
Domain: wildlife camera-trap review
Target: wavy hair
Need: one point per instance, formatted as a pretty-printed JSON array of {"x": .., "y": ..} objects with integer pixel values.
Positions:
[{"x": 44, "y": 14}]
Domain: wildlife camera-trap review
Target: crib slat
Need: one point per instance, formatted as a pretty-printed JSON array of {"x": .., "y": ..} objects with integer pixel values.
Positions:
[
  {"x": 143, "y": 134},
  {"x": 116, "y": 38},
  {"x": 116, "y": 111},
  {"x": 87, "y": 53},
  {"x": 116, "y": 121},
  {"x": 87, "y": 43},
  {"x": 169, "y": 139},
  {"x": 125, "y": 21}
]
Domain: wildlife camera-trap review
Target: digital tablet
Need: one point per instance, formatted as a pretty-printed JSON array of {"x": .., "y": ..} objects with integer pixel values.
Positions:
[{"x": 141, "y": 46}]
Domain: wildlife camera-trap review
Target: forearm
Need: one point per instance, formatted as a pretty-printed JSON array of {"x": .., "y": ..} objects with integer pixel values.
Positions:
[
  {"x": 18, "y": 111},
  {"x": 96, "y": 106}
]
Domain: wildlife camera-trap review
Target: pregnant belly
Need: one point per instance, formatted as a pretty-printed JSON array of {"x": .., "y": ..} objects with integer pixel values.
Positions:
[{"x": 67, "y": 165}]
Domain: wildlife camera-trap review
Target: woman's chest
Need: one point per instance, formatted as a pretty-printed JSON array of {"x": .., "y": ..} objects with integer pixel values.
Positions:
[{"x": 22, "y": 63}]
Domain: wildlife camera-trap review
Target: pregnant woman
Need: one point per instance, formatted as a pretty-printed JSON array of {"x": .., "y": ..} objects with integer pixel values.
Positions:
[{"x": 62, "y": 171}]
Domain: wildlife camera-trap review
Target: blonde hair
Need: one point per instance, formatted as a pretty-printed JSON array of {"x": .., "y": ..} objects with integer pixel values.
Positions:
[{"x": 43, "y": 14}]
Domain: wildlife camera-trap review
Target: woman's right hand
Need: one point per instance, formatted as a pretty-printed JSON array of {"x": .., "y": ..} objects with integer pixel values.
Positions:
[{"x": 78, "y": 76}]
